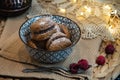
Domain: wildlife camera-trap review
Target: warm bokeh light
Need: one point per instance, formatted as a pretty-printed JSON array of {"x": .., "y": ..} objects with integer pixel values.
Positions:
[
  {"x": 106, "y": 7},
  {"x": 74, "y": 1},
  {"x": 88, "y": 9},
  {"x": 81, "y": 13},
  {"x": 111, "y": 29},
  {"x": 114, "y": 12},
  {"x": 62, "y": 10}
]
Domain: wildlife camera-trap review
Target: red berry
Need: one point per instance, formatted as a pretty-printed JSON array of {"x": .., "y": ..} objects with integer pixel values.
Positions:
[
  {"x": 74, "y": 68},
  {"x": 100, "y": 60},
  {"x": 83, "y": 64},
  {"x": 109, "y": 49}
]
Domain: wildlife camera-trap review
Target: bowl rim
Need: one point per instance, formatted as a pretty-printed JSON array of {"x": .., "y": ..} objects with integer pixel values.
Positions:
[
  {"x": 15, "y": 10},
  {"x": 46, "y": 49}
]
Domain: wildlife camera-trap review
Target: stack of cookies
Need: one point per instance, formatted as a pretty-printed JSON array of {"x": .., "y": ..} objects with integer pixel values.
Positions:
[{"x": 48, "y": 35}]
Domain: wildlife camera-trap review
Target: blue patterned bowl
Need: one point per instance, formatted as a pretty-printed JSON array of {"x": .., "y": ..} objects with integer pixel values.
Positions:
[{"x": 46, "y": 56}]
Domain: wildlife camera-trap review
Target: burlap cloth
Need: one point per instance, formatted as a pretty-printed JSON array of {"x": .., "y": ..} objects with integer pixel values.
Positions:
[
  {"x": 2, "y": 24},
  {"x": 12, "y": 47}
]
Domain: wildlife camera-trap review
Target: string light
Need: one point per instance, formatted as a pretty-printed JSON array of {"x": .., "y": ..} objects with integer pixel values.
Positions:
[
  {"x": 106, "y": 7},
  {"x": 88, "y": 9},
  {"x": 62, "y": 10},
  {"x": 111, "y": 29},
  {"x": 81, "y": 13},
  {"x": 73, "y": 1}
]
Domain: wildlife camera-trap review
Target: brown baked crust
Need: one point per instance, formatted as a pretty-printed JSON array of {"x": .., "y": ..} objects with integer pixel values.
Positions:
[
  {"x": 65, "y": 30},
  {"x": 58, "y": 41},
  {"x": 43, "y": 36},
  {"x": 43, "y": 28},
  {"x": 41, "y": 24},
  {"x": 40, "y": 44},
  {"x": 31, "y": 44},
  {"x": 57, "y": 27},
  {"x": 54, "y": 36},
  {"x": 59, "y": 44}
]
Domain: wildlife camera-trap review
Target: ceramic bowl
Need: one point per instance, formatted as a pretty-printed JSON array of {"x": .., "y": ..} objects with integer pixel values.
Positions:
[
  {"x": 13, "y": 7},
  {"x": 46, "y": 56}
]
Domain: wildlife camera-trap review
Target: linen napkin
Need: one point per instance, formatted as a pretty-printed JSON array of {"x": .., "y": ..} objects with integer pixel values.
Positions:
[{"x": 13, "y": 48}]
